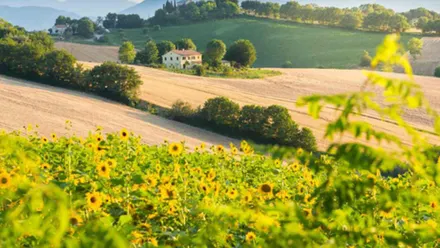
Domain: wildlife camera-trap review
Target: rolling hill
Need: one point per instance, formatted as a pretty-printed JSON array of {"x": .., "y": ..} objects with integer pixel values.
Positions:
[
  {"x": 33, "y": 18},
  {"x": 306, "y": 46},
  {"x": 26, "y": 103}
]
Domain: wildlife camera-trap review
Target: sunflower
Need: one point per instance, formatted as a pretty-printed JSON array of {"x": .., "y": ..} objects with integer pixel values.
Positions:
[
  {"x": 266, "y": 188},
  {"x": 299, "y": 152},
  {"x": 203, "y": 146},
  {"x": 295, "y": 166},
  {"x": 168, "y": 192},
  {"x": 175, "y": 149},
  {"x": 250, "y": 236},
  {"x": 153, "y": 242},
  {"x": 247, "y": 197},
  {"x": 229, "y": 237},
  {"x": 44, "y": 139},
  {"x": 99, "y": 149},
  {"x": 433, "y": 204},
  {"x": 94, "y": 200},
  {"x": 5, "y": 180},
  {"x": 151, "y": 180},
  {"x": 146, "y": 227},
  {"x": 282, "y": 195},
  {"x": 103, "y": 170},
  {"x": 204, "y": 188},
  {"x": 232, "y": 193},
  {"x": 54, "y": 136},
  {"x": 124, "y": 135},
  {"x": 196, "y": 149},
  {"x": 75, "y": 219},
  {"x": 45, "y": 166},
  {"x": 111, "y": 163},
  {"x": 211, "y": 175},
  {"x": 219, "y": 148},
  {"x": 234, "y": 151},
  {"x": 99, "y": 138},
  {"x": 307, "y": 212},
  {"x": 277, "y": 162}
]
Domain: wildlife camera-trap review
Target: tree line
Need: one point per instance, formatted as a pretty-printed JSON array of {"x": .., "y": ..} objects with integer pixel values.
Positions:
[
  {"x": 265, "y": 125},
  {"x": 373, "y": 17},
  {"x": 33, "y": 56},
  {"x": 241, "y": 53},
  {"x": 195, "y": 11}
]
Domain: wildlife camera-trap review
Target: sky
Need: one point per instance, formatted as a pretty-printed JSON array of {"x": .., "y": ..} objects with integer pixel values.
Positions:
[{"x": 102, "y": 7}]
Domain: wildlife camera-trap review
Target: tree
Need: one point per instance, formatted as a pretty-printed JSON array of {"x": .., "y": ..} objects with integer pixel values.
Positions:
[
  {"x": 242, "y": 52},
  {"x": 290, "y": 10},
  {"x": 186, "y": 43},
  {"x": 227, "y": 10},
  {"x": 279, "y": 127},
  {"x": 86, "y": 27},
  {"x": 306, "y": 140},
  {"x": 399, "y": 23},
  {"x": 60, "y": 66},
  {"x": 422, "y": 23},
  {"x": 127, "y": 53},
  {"x": 110, "y": 20},
  {"x": 129, "y": 21},
  {"x": 437, "y": 72},
  {"x": 415, "y": 47},
  {"x": 62, "y": 20},
  {"x": 215, "y": 51},
  {"x": 221, "y": 111},
  {"x": 165, "y": 46},
  {"x": 366, "y": 60},
  {"x": 115, "y": 81},
  {"x": 149, "y": 55},
  {"x": 351, "y": 21},
  {"x": 252, "y": 119}
]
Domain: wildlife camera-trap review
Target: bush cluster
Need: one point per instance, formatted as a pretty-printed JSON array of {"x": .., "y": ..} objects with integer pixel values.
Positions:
[
  {"x": 265, "y": 125},
  {"x": 34, "y": 57}
]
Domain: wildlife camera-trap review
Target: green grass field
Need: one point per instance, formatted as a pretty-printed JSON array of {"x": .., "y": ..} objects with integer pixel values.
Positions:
[{"x": 276, "y": 41}]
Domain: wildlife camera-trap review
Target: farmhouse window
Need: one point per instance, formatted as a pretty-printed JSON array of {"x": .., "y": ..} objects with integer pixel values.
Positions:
[
  {"x": 171, "y": 58},
  {"x": 165, "y": 58},
  {"x": 177, "y": 58},
  {"x": 184, "y": 58}
]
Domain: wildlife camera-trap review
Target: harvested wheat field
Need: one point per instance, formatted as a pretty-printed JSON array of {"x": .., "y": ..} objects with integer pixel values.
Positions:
[
  {"x": 426, "y": 63},
  {"x": 164, "y": 88},
  {"x": 90, "y": 53},
  {"x": 24, "y": 103}
]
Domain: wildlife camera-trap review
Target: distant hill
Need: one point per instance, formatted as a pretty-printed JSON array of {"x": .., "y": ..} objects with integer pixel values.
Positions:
[
  {"x": 32, "y": 17},
  {"x": 148, "y": 7},
  {"x": 145, "y": 9}
]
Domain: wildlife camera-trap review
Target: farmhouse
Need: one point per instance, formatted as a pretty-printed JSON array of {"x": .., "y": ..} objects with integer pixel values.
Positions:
[
  {"x": 182, "y": 59},
  {"x": 58, "y": 29}
]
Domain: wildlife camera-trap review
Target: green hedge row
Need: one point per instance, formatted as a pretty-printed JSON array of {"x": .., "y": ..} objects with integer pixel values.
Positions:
[
  {"x": 264, "y": 125},
  {"x": 33, "y": 56}
]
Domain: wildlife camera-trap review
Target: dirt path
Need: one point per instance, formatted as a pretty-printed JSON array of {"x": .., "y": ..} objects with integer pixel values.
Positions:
[
  {"x": 24, "y": 103},
  {"x": 164, "y": 88}
]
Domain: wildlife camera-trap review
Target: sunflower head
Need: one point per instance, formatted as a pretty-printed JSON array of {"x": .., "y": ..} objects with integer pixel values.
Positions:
[
  {"x": 5, "y": 180},
  {"x": 219, "y": 148},
  {"x": 45, "y": 166},
  {"x": 153, "y": 242},
  {"x": 232, "y": 193},
  {"x": 124, "y": 134},
  {"x": 111, "y": 163},
  {"x": 250, "y": 236},
  {"x": 94, "y": 200},
  {"x": 433, "y": 204},
  {"x": 103, "y": 170},
  {"x": 44, "y": 139},
  {"x": 204, "y": 188},
  {"x": 54, "y": 136},
  {"x": 265, "y": 188},
  {"x": 175, "y": 149},
  {"x": 234, "y": 151},
  {"x": 99, "y": 138},
  {"x": 75, "y": 219}
]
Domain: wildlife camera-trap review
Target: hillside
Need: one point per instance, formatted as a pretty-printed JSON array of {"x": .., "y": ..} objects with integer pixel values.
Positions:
[
  {"x": 164, "y": 88},
  {"x": 26, "y": 103},
  {"x": 306, "y": 46},
  {"x": 33, "y": 18},
  {"x": 426, "y": 63}
]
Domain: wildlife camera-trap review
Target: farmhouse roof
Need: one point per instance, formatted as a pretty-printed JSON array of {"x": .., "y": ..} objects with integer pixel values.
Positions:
[{"x": 186, "y": 52}]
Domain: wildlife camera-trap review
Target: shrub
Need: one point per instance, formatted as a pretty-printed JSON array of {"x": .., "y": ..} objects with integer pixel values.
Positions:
[
  {"x": 279, "y": 126},
  {"x": 221, "y": 111},
  {"x": 307, "y": 140},
  {"x": 60, "y": 69},
  {"x": 127, "y": 53},
  {"x": 181, "y": 111},
  {"x": 215, "y": 51},
  {"x": 287, "y": 64},
  {"x": 200, "y": 70},
  {"x": 149, "y": 55},
  {"x": 252, "y": 119},
  {"x": 437, "y": 72},
  {"x": 366, "y": 60},
  {"x": 415, "y": 47},
  {"x": 103, "y": 39},
  {"x": 115, "y": 82},
  {"x": 242, "y": 52}
]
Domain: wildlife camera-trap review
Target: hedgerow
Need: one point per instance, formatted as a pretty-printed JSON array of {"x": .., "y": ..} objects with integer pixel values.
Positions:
[{"x": 271, "y": 125}]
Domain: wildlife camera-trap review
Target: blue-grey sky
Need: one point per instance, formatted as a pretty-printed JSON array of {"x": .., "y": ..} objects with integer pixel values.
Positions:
[{"x": 102, "y": 7}]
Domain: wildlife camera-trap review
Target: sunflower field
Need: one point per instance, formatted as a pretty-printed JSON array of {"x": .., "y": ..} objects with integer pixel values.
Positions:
[{"x": 111, "y": 190}]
